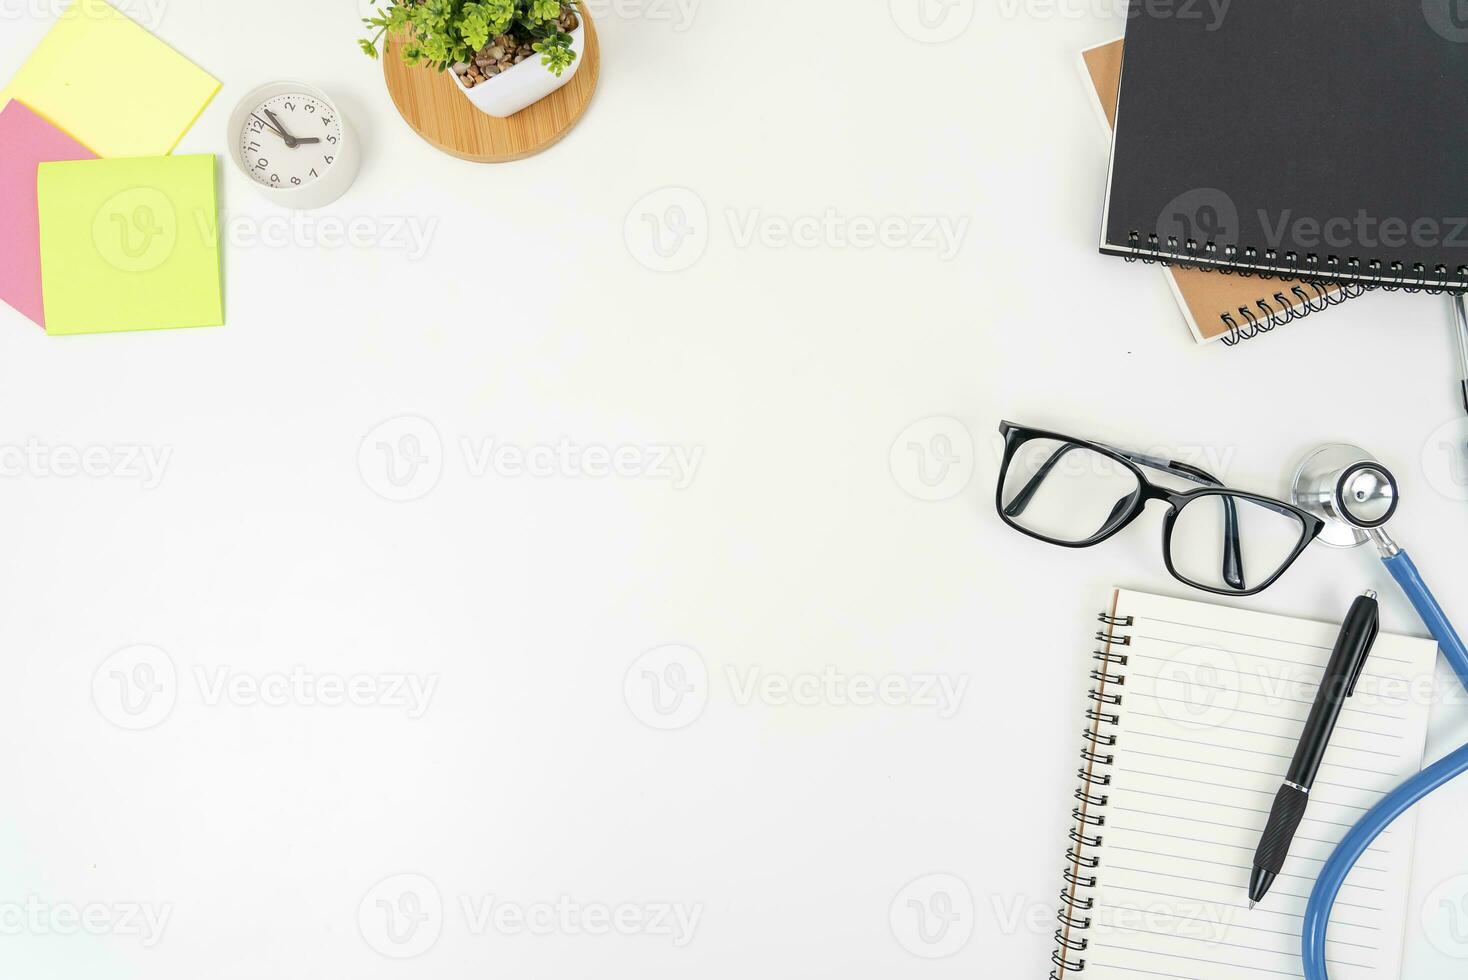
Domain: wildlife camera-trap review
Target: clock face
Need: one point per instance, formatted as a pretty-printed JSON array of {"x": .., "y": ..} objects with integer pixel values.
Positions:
[{"x": 290, "y": 141}]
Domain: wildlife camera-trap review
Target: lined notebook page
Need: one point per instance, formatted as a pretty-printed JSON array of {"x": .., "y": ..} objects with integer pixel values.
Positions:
[{"x": 1213, "y": 705}]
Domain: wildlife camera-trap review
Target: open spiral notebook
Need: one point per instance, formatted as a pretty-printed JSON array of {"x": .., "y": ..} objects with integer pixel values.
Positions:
[{"x": 1193, "y": 714}]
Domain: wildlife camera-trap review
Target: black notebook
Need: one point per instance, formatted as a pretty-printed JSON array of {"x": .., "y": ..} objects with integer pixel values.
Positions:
[{"x": 1316, "y": 139}]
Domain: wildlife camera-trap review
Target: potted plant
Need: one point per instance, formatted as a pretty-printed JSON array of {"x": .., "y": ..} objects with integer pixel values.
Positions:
[{"x": 503, "y": 54}]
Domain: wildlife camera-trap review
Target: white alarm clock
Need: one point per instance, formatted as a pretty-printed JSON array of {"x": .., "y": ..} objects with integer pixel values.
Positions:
[{"x": 293, "y": 143}]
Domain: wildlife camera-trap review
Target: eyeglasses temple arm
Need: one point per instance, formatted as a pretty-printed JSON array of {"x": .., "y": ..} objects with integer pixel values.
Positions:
[
  {"x": 1233, "y": 558},
  {"x": 1022, "y": 499}
]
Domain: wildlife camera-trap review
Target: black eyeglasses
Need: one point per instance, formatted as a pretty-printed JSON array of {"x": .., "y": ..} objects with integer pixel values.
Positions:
[{"x": 1077, "y": 494}]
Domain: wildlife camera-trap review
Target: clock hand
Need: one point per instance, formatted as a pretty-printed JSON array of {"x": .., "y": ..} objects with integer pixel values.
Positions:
[
  {"x": 268, "y": 126},
  {"x": 303, "y": 140},
  {"x": 290, "y": 141}
]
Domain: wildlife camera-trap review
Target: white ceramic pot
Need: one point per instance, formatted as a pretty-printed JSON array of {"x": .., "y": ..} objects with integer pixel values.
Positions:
[{"x": 525, "y": 84}]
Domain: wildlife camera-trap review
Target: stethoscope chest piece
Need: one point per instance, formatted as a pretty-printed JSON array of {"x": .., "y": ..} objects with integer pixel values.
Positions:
[{"x": 1347, "y": 488}]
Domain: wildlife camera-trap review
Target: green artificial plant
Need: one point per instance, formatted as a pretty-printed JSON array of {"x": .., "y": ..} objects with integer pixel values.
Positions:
[{"x": 443, "y": 33}]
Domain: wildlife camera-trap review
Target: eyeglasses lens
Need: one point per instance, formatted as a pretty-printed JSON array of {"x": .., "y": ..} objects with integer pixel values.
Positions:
[{"x": 1067, "y": 492}]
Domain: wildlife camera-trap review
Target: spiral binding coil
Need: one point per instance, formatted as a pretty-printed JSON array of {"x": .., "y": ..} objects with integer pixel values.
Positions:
[
  {"x": 1285, "y": 310},
  {"x": 1091, "y": 795},
  {"x": 1279, "y": 309}
]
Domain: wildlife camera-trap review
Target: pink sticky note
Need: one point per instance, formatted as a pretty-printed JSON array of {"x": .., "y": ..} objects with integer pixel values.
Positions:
[{"x": 26, "y": 142}]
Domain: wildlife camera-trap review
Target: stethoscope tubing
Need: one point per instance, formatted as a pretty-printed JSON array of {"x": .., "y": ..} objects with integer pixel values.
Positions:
[
  {"x": 1333, "y": 875},
  {"x": 1349, "y": 851},
  {"x": 1426, "y": 604}
]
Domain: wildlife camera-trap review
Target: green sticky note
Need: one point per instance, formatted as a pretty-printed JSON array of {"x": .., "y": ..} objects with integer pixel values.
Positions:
[
  {"x": 113, "y": 86},
  {"x": 129, "y": 244}
]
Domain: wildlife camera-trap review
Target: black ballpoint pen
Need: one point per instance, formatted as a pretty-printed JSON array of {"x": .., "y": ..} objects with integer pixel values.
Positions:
[{"x": 1347, "y": 660}]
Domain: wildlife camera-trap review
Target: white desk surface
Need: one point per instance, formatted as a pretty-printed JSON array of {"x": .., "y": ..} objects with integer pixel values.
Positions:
[{"x": 531, "y": 319}]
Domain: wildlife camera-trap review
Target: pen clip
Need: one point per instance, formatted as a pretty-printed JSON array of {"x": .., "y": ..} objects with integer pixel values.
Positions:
[{"x": 1373, "y": 628}]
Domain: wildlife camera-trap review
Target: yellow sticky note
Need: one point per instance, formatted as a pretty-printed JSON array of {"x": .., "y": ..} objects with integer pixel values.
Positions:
[
  {"x": 110, "y": 84},
  {"x": 129, "y": 244}
]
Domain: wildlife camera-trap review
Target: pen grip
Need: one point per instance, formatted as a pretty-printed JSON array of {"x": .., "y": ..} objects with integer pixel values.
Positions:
[{"x": 1279, "y": 833}]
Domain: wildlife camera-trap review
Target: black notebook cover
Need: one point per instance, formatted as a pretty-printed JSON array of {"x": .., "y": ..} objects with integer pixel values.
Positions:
[{"x": 1309, "y": 138}]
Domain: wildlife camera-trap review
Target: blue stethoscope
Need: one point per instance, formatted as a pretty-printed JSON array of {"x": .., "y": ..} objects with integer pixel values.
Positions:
[{"x": 1356, "y": 495}]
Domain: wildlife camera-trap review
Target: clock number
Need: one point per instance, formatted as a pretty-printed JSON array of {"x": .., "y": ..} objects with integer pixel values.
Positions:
[{"x": 268, "y": 172}]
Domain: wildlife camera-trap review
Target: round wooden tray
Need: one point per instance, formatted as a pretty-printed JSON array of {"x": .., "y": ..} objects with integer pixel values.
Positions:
[{"x": 431, "y": 103}]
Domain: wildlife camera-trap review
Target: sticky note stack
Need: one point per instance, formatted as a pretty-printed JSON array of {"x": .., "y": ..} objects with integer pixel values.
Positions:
[
  {"x": 26, "y": 141},
  {"x": 101, "y": 229},
  {"x": 129, "y": 244}
]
